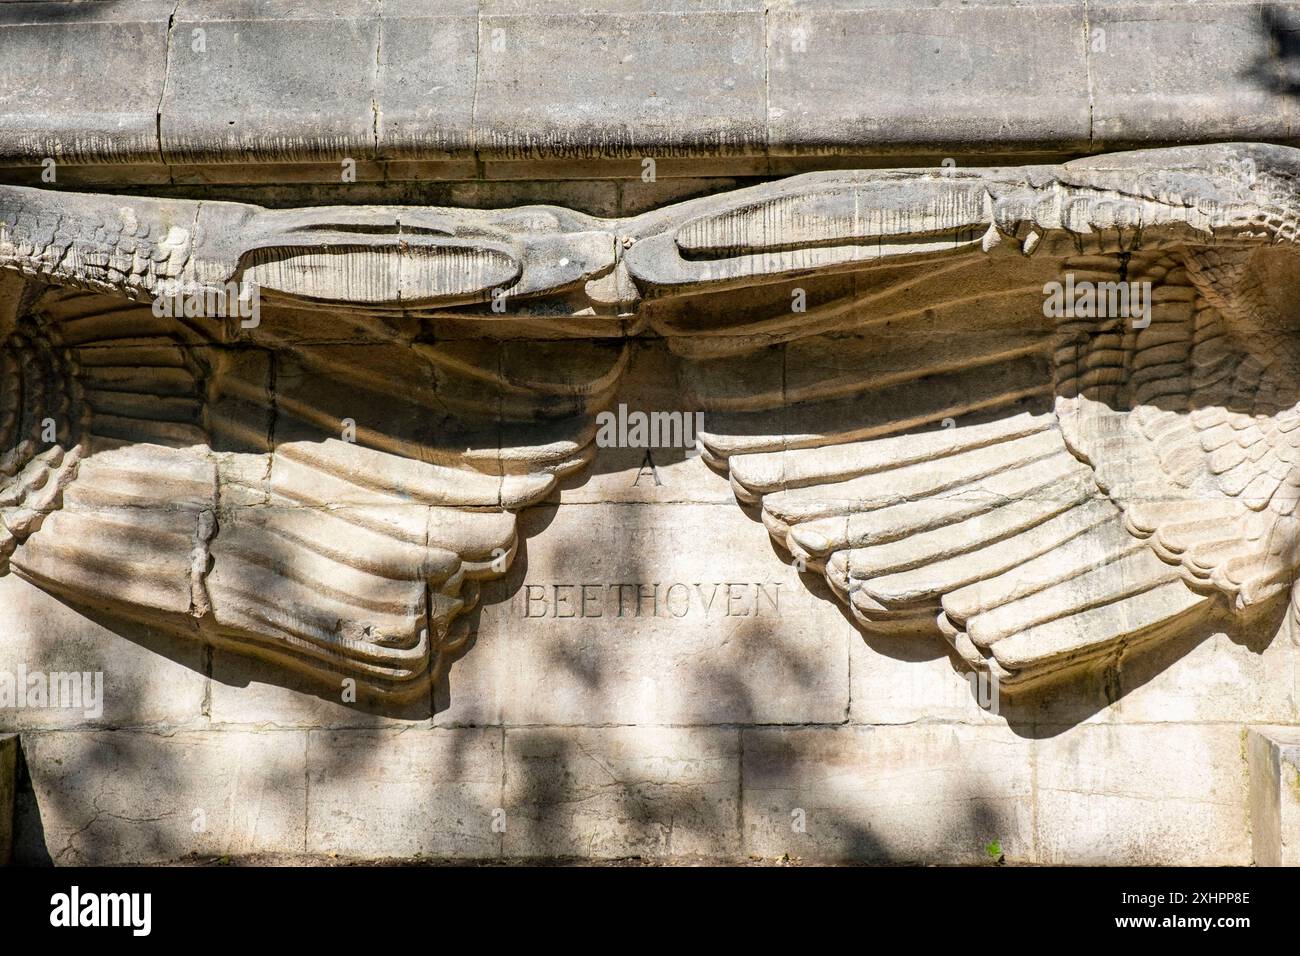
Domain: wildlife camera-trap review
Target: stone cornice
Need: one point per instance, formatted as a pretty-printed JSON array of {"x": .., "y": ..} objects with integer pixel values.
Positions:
[{"x": 162, "y": 90}]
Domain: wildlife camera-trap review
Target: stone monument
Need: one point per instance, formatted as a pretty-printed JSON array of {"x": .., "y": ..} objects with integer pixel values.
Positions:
[{"x": 498, "y": 431}]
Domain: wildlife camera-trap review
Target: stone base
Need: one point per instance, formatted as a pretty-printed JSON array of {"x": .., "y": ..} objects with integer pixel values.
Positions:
[{"x": 1274, "y": 757}]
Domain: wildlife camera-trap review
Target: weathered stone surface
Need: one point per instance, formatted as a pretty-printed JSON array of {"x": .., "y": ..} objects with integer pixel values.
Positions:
[
  {"x": 654, "y": 792},
  {"x": 411, "y": 457},
  {"x": 898, "y": 680},
  {"x": 402, "y": 80},
  {"x": 241, "y": 694},
  {"x": 1234, "y": 77},
  {"x": 424, "y": 86},
  {"x": 897, "y": 76},
  {"x": 653, "y": 83},
  {"x": 1046, "y": 496},
  {"x": 917, "y": 793},
  {"x": 136, "y": 676},
  {"x": 282, "y": 81},
  {"x": 1243, "y": 675},
  {"x": 81, "y": 83},
  {"x": 405, "y": 793},
  {"x": 616, "y": 616},
  {"x": 1273, "y": 755},
  {"x": 132, "y": 797},
  {"x": 1154, "y": 794}
]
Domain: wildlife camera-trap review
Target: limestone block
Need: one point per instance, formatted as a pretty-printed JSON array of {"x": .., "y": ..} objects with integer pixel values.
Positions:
[
  {"x": 424, "y": 86},
  {"x": 8, "y": 787},
  {"x": 900, "y": 76},
  {"x": 1154, "y": 794},
  {"x": 600, "y": 793},
  {"x": 1229, "y": 79},
  {"x": 1273, "y": 755},
  {"x": 1239, "y": 674},
  {"x": 907, "y": 794},
  {"x": 118, "y": 797},
  {"x": 398, "y": 79},
  {"x": 284, "y": 81},
  {"x": 616, "y": 615},
  {"x": 898, "y": 679},
  {"x": 135, "y": 675},
  {"x": 405, "y": 793},
  {"x": 82, "y": 84},
  {"x": 653, "y": 83},
  {"x": 242, "y": 693}
]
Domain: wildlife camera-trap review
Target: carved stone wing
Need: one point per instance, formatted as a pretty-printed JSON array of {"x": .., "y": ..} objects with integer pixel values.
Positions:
[
  {"x": 1041, "y": 490},
  {"x": 324, "y": 484},
  {"x": 323, "y": 487}
]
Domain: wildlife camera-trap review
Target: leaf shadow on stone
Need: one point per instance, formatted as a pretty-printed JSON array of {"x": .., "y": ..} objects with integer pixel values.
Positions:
[{"x": 1277, "y": 68}]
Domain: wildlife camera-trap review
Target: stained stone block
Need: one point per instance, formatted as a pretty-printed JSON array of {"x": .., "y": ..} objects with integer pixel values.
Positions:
[
  {"x": 1228, "y": 79},
  {"x": 405, "y": 793},
  {"x": 1273, "y": 755},
  {"x": 284, "y": 174},
  {"x": 424, "y": 85},
  {"x": 651, "y": 84},
  {"x": 89, "y": 174},
  {"x": 902, "y": 77},
  {"x": 282, "y": 81},
  {"x": 909, "y": 794},
  {"x": 601, "y": 793},
  {"x": 117, "y": 797},
  {"x": 8, "y": 786},
  {"x": 650, "y": 614},
  {"x": 1150, "y": 794},
  {"x": 81, "y": 83}
]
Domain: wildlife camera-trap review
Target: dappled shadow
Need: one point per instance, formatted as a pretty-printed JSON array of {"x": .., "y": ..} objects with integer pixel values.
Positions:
[
  {"x": 712, "y": 738},
  {"x": 1277, "y": 69}
]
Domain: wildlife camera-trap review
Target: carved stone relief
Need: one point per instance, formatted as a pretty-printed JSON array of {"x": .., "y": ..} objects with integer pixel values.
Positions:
[{"x": 1044, "y": 412}]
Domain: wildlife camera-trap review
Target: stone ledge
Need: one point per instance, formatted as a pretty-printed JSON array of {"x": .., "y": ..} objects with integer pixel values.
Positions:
[
  {"x": 1273, "y": 755},
  {"x": 156, "y": 84}
]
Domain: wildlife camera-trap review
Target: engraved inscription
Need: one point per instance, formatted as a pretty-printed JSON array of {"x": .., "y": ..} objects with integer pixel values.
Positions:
[{"x": 661, "y": 599}]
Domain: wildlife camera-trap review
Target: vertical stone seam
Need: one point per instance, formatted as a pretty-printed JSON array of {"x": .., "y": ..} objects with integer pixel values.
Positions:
[
  {"x": 849, "y": 631},
  {"x": 272, "y": 416},
  {"x": 501, "y": 430},
  {"x": 740, "y": 791},
  {"x": 306, "y": 788},
  {"x": 767, "y": 87},
  {"x": 205, "y": 703},
  {"x": 1087, "y": 66},
  {"x": 1035, "y": 850},
  {"x": 473, "y": 107},
  {"x": 501, "y": 796},
  {"x": 162, "y": 96},
  {"x": 374, "y": 86}
]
